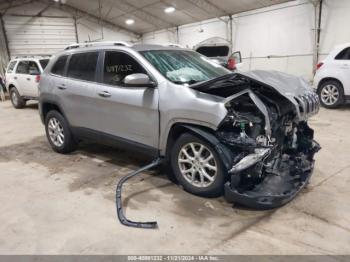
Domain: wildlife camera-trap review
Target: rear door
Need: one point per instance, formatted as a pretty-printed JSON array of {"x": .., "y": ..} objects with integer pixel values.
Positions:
[
  {"x": 130, "y": 113},
  {"x": 78, "y": 90},
  {"x": 32, "y": 79},
  {"x": 26, "y": 78}
]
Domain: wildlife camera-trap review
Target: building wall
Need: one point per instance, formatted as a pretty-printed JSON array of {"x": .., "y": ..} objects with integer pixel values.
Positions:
[
  {"x": 49, "y": 33},
  {"x": 335, "y": 24},
  {"x": 279, "y": 37}
]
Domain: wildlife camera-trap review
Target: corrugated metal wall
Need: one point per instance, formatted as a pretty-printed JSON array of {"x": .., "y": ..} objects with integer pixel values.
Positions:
[
  {"x": 3, "y": 51},
  {"x": 38, "y": 35}
]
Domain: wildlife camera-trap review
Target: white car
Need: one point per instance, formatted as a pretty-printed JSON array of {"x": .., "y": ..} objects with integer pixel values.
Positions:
[
  {"x": 219, "y": 51},
  {"x": 332, "y": 79},
  {"x": 22, "y": 79}
]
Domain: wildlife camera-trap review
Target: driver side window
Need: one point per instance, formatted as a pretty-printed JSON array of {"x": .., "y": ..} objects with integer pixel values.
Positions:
[{"x": 117, "y": 66}]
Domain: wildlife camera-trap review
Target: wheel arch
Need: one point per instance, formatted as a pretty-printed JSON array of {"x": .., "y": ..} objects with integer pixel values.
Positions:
[
  {"x": 11, "y": 86},
  {"x": 202, "y": 132},
  {"x": 46, "y": 106},
  {"x": 329, "y": 79}
]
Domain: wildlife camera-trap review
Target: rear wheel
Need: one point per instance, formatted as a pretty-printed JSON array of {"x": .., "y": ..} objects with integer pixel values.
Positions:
[
  {"x": 331, "y": 94},
  {"x": 58, "y": 133},
  {"x": 197, "y": 166},
  {"x": 16, "y": 100}
]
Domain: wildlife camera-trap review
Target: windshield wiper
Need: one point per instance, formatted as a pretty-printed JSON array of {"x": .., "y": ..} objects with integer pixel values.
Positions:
[{"x": 190, "y": 82}]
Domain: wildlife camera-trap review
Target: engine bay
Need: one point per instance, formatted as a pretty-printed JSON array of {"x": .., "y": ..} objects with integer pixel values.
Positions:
[{"x": 273, "y": 149}]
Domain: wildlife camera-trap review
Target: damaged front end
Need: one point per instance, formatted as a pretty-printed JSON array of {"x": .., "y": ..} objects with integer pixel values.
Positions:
[{"x": 267, "y": 132}]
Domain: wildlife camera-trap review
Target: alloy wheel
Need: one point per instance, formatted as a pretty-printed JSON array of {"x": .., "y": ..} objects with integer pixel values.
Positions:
[
  {"x": 14, "y": 98},
  {"x": 56, "y": 132},
  {"x": 197, "y": 165},
  {"x": 330, "y": 95}
]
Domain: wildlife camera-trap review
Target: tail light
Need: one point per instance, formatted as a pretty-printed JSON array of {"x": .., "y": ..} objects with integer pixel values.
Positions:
[
  {"x": 37, "y": 78},
  {"x": 231, "y": 63},
  {"x": 319, "y": 65}
]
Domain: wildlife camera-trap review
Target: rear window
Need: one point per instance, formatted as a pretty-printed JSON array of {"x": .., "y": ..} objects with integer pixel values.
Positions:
[
  {"x": 44, "y": 62},
  {"x": 83, "y": 66},
  {"x": 11, "y": 66},
  {"x": 213, "y": 51},
  {"x": 344, "y": 55},
  {"x": 58, "y": 67}
]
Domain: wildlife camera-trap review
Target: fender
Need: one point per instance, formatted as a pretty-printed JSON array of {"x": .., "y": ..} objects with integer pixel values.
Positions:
[
  {"x": 46, "y": 99},
  {"x": 225, "y": 153}
]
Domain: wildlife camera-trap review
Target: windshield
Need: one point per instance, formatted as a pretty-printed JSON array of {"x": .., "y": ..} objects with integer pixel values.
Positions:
[{"x": 184, "y": 67}]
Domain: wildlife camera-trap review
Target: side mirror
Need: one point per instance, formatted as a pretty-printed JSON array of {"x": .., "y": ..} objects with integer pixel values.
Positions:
[
  {"x": 237, "y": 57},
  {"x": 234, "y": 60},
  {"x": 138, "y": 80}
]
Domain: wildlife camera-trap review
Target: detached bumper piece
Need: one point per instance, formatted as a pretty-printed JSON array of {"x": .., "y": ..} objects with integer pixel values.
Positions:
[{"x": 118, "y": 201}]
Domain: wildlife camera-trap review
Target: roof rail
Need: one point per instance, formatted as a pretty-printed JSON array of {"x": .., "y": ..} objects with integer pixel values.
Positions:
[
  {"x": 173, "y": 45},
  {"x": 32, "y": 56},
  {"x": 89, "y": 44}
]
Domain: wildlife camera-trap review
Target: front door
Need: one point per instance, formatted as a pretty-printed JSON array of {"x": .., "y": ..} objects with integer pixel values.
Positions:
[{"x": 130, "y": 113}]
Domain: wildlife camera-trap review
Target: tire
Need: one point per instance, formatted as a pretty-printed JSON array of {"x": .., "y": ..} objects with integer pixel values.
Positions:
[
  {"x": 58, "y": 133},
  {"x": 195, "y": 182},
  {"x": 16, "y": 100},
  {"x": 331, "y": 94}
]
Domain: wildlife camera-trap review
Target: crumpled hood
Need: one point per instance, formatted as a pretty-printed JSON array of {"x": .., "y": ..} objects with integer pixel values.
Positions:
[
  {"x": 295, "y": 89},
  {"x": 286, "y": 84}
]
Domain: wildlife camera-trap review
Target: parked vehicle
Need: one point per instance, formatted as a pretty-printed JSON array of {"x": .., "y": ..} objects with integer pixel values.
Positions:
[
  {"x": 241, "y": 134},
  {"x": 332, "y": 79},
  {"x": 219, "y": 51},
  {"x": 22, "y": 79}
]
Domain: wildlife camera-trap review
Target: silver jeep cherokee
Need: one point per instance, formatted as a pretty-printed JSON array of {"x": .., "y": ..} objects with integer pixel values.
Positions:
[{"x": 244, "y": 135}]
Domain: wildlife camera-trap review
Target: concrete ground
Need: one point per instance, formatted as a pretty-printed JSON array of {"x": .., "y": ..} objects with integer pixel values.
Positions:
[{"x": 64, "y": 204}]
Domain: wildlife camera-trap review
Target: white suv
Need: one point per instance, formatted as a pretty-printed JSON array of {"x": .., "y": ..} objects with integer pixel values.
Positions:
[
  {"x": 22, "y": 79},
  {"x": 332, "y": 79}
]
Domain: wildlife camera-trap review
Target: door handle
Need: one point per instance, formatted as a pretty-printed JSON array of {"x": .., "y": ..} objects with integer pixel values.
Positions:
[
  {"x": 15, "y": 77},
  {"x": 28, "y": 79},
  {"x": 104, "y": 94},
  {"x": 62, "y": 87}
]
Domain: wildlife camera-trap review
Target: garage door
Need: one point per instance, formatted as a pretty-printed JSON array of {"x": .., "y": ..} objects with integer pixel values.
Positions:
[{"x": 28, "y": 36}]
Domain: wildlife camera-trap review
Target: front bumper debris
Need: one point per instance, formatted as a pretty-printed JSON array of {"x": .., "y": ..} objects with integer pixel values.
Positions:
[
  {"x": 283, "y": 178},
  {"x": 273, "y": 192}
]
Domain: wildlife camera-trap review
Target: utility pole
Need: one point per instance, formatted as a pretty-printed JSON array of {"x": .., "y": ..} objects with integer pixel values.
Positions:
[{"x": 318, "y": 5}]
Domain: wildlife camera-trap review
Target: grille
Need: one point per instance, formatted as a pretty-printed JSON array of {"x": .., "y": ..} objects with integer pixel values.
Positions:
[{"x": 309, "y": 105}]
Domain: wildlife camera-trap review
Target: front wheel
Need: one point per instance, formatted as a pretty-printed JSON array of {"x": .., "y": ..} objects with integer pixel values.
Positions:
[
  {"x": 16, "y": 100},
  {"x": 197, "y": 166},
  {"x": 58, "y": 133},
  {"x": 331, "y": 94}
]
